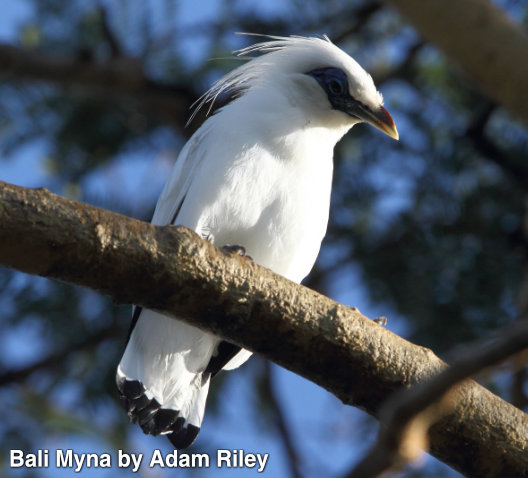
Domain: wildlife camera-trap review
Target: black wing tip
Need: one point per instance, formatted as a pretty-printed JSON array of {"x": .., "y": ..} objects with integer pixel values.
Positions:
[
  {"x": 185, "y": 437},
  {"x": 225, "y": 352},
  {"x": 153, "y": 419}
]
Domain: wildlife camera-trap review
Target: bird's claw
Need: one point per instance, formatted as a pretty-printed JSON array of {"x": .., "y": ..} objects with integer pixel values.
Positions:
[
  {"x": 381, "y": 320},
  {"x": 235, "y": 250}
]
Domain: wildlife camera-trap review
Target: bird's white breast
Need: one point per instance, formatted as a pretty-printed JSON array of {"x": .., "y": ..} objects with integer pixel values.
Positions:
[{"x": 270, "y": 195}]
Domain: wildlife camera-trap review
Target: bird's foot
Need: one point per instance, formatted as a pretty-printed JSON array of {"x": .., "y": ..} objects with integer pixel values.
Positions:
[
  {"x": 381, "y": 320},
  {"x": 235, "y": 250},
  {"x": 208, "y": 237}
]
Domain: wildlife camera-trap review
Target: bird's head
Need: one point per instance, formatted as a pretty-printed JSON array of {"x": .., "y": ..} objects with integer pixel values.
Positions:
[{"x": 312, "y": 74}]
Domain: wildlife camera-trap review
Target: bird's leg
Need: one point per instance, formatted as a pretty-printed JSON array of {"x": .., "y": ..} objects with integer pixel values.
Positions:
[
  {"x": 229, "y": 249},
  {"x": 235, "y": 250},
  {"x": 208, "y": 237}
]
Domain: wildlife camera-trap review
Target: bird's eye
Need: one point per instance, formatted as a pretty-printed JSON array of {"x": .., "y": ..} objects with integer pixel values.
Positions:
[{"x": 335, "y": 86}]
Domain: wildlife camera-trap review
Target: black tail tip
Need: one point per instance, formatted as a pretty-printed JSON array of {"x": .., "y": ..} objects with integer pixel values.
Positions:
[
  {"x": 185, "y": 437},
  {"x": 153, "y": 419}
]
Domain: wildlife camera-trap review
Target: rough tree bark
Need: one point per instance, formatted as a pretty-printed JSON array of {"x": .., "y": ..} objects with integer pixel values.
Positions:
[
  {"x": 479, "y": 37},
  {"x": 171, "y": 269}
]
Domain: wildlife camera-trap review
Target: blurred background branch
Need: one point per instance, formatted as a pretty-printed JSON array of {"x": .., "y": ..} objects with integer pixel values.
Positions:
[
  {"x": 407, "y": 415},
  {"x": 121, "y": 76},
  {"x": 481, "y": 38}
]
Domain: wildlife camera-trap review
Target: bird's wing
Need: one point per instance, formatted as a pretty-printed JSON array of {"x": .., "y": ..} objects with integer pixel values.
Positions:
[
  {"x": 164, "y": 374},
  {"x": 169, "y": 204},
  {"x": 172, "y": 196},
  {"x": 171, "y": 199}
]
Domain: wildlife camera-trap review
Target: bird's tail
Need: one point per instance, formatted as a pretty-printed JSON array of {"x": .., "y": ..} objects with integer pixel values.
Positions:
[{"x": 162, "y": 377}]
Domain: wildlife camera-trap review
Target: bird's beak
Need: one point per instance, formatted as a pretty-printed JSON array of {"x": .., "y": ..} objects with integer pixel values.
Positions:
[{"x": 380, "y": 118}]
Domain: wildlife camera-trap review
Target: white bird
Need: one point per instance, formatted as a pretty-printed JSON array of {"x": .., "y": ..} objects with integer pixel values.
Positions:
[{"x": 257, "y": 174}]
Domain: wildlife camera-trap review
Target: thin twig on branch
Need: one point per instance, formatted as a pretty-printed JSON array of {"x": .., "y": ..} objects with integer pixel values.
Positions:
[
  {"x": 170, "y": 269},
  {"x": 115, "y": 48}
]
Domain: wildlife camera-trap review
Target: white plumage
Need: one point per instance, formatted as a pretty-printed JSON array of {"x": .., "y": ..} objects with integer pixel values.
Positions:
[{"x": 257, "y": 174}]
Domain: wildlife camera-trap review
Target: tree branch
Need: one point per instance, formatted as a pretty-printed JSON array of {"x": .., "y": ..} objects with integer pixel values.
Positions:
[
  {"x": 281, "y": 421},
  {"x": 408, "y": 414},
  {"x": 122, "y": 76},
  {"x": 480, "y": 38},
  {"x": 170, "y": 269}
]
